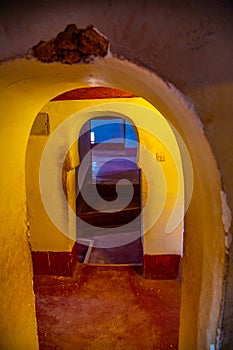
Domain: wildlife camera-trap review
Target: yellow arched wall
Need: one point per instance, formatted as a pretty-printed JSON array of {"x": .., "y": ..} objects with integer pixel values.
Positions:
[
  {"x": 26, "y": 86},
  {"x": 44, "y": 236}
]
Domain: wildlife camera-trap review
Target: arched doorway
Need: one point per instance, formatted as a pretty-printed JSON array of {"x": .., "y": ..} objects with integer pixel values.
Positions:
[
  {"x": 204, "y": 242},
  {"x": 110, "y": 146},
  {"x": 79, "y": 118}
]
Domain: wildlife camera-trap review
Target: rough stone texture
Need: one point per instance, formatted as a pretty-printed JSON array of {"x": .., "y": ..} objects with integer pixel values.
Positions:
[{"x": 72, "y": 45}]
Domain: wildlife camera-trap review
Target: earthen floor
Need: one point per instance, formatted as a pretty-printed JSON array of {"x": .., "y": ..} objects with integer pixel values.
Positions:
[{"x": 107, "y": 308}]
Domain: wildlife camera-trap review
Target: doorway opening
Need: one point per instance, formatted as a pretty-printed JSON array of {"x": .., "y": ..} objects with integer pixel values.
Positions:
[
  {"x": 201, "y": 233},
  {"x": 112, "y": 137},
  {"x": 109, "y": 146}
]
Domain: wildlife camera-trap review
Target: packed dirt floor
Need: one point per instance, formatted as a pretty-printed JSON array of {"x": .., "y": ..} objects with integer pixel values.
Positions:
[{"x": 107, "y": 308}]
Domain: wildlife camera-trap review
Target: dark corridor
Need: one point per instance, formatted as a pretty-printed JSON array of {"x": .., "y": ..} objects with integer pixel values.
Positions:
[{"x": 112, "y": 148}]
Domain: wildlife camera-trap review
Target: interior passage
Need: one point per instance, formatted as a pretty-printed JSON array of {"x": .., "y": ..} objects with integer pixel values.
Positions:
[{"x": 113, "y": 157}]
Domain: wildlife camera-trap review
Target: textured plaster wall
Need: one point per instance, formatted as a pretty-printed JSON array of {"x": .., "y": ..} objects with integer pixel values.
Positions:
[
  {"x": 216, "y": 114},
  {"x": 189, "y": 44},
  {"x": 44, "y": 236},
  {"x": 17, "y": 308},
  {"x": 161, "y": 35},
  {"x": 158, "y": 239}
]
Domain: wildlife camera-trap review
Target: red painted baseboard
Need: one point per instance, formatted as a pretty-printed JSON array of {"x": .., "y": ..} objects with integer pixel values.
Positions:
[
  {"x": 164, "y": 266},
  {"x": 55, "y": 263}
]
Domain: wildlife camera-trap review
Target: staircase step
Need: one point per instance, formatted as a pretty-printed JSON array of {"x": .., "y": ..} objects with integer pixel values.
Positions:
[
  {"x": 103, "y": 219},
  {"x": 109, "y": 190},
  {"x": 106, "y": 188}
]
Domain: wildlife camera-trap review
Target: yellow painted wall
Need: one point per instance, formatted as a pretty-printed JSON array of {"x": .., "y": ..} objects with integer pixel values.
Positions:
[
  {"x": 26, "y": 86},
  {"x": 44, "y": 235},
  {"x": 166, "y": 186}
]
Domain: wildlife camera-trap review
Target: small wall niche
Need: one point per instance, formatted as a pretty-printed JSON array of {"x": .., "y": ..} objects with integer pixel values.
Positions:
[{"x": 41, "y": 125}]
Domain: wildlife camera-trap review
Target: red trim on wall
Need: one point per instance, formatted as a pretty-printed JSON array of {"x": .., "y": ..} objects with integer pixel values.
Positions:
[
  {"x": 164, "y": 266},
  {"x": 55, "y": 263},
  {"x": 92, "y": 93}
]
